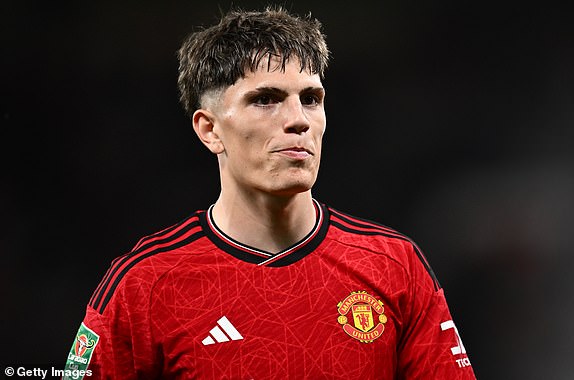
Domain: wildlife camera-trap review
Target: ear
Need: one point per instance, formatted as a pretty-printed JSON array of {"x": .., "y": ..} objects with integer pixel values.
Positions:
[{"x": 203, "y": 125}]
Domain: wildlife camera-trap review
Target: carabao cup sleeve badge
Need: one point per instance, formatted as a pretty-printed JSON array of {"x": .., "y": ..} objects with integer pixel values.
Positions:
[
  {"x": 82, "y": 349},
  {"x": 362, "y": 316}
]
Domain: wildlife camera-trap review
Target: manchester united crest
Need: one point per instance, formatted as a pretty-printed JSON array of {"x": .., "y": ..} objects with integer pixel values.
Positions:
[{"x": 362, "y": 316}]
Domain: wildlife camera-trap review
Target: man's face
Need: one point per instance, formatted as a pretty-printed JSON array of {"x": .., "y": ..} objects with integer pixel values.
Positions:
[{"x": 271, "y": 125}]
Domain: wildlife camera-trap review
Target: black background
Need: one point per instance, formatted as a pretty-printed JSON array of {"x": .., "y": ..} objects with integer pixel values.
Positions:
[{"x": 451, "y": 121}]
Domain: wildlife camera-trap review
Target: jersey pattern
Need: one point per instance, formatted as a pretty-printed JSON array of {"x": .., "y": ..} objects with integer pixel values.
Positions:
[{"x": 353, "y": 299}]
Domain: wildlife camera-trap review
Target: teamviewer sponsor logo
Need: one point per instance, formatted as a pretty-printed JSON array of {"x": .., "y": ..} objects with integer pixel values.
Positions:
[{"x": 224, "y": 331}]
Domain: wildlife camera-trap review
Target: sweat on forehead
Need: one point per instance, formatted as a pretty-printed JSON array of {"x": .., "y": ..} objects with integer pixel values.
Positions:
[{"x": 217, "y": 56}]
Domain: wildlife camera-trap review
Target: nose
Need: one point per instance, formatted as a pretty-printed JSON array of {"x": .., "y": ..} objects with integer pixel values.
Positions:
[{"x": 296, "y": 120}]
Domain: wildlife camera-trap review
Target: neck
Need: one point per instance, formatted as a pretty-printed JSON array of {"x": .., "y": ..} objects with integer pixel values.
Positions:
[{"x": 265, "y": 222}]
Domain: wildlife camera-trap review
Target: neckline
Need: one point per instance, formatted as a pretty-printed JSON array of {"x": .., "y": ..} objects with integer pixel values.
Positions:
[{"x": 260, "y": 257}]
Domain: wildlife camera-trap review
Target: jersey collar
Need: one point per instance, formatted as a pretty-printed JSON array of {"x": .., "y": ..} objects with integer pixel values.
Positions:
[{"x": 256, "y": 256}]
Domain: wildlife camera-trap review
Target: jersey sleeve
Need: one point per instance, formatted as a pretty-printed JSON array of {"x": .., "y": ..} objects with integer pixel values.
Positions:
[
  {"x": 431, "y": 347},
  {"x": 116, "y": 343}
]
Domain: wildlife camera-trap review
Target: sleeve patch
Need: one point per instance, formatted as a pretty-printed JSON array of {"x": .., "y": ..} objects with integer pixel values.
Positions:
[{"x": 81, "y": 352}]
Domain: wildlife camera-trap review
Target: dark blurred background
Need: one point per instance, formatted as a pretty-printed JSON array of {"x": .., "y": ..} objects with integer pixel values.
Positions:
[{"x": 451, "y": 121}]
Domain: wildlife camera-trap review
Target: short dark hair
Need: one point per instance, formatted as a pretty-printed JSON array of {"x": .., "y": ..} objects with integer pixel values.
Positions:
[{"x": 216, "y": 57}]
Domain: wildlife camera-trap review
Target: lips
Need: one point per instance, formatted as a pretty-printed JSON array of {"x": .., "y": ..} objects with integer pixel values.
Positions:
[
  {"x": 295, "y": 152},
  {"x": 296, "y": 149}
]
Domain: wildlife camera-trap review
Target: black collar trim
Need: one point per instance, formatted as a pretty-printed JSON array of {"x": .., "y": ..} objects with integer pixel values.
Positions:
[{"x": 260, "y": 257}]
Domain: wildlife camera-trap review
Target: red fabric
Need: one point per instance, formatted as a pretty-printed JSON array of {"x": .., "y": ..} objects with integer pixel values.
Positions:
[{"x": 165, "y": 305}]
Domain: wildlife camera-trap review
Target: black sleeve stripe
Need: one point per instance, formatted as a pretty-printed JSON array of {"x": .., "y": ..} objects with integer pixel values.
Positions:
[
  {"x": 164, "y": 232},
  {"x": 119, "y": 262},
  {"x": 111, "y": 290},
  {"x": 100, "y": 285},
  {"x": 366, "y": 227},
  {"x": 360, "y": 222}
]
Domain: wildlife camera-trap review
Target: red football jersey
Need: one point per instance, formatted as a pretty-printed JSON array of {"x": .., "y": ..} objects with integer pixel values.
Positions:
[{"x": 353, "y": 299}]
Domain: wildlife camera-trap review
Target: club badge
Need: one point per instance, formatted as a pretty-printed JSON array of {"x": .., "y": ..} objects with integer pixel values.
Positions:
[{"x": 362, "y": 316}]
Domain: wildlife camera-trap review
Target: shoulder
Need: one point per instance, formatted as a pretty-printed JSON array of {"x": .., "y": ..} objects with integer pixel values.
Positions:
[
  {"x": 377, "y": 238},
  {"x": 135, "y": 272},
  {"x": 350, "y": 229},
  {"x": 355, "y": 229}
]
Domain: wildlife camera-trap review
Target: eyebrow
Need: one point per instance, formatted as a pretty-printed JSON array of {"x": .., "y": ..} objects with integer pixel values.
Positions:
[
  {"x": 280, "y": 92},
  {"x": 266, "y": 90}
]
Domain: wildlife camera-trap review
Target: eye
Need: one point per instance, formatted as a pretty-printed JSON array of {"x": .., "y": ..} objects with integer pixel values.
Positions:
[
  {"x": 263, "y": 100},
  {"x": 310, "y": 100}
]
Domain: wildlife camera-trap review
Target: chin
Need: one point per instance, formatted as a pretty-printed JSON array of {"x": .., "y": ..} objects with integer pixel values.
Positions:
[
  {"x": 293, "y": 188},
  {"x": 292, "y": 183}
]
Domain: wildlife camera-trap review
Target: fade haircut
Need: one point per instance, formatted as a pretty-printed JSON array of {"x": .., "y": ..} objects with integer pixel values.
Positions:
[{"x": 216, "y": 57}]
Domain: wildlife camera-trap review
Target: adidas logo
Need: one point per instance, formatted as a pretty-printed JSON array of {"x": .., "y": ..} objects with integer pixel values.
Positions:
[{"x": 223, "y": 332}]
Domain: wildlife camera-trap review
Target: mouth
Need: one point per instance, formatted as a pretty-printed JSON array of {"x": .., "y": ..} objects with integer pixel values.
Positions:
[{"x": 295, "y": 152}]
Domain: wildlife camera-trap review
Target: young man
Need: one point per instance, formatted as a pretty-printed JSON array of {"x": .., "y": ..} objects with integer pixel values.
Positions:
[{"x": 267, "y": 282}]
